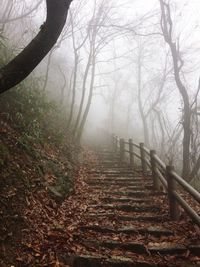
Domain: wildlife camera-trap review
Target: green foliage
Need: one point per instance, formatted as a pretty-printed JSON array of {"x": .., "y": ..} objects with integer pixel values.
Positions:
[
  {"x": 36, "y": 126},
  {"x": 33, "y": 114},
  {"x": 2, "y": 39},
  {"x": 27, "y": 107}
]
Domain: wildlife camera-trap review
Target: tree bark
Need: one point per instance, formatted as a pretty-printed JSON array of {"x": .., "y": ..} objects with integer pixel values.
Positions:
[
  {"x": 141, "y": 109},
  {"x": 23, "y": 64},
  {"x": 167, "y": 27},
  {"x": 85, "y": 114},
  {"x": 47, "y": 70},
  {"x": 83, "y": 94},
  {"x": 76, "y": 59},
  {"x": 186, "y": 114}
]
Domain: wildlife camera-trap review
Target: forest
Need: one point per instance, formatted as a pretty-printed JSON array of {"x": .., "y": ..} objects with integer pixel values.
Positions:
[{"x": 99, "y": 133}]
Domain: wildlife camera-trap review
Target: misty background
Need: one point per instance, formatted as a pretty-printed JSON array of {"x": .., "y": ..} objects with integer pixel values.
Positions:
[{"x": 112, "y": 70}]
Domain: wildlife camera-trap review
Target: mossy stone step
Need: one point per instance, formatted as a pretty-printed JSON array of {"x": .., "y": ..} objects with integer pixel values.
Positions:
[
  {"x": 144, "y": 218},
  {"x": 102, "y": 182},
  {"x": 123, "y": 180},
  {"x": 140, "y": 218},
  {"x": 164, "y": 248},
  {"x": 128, "y": 208},
  {"x": 112, "y": 172},
  {"x": 125, "y": 200},
  {"x": 130, "y": 246},
  {"x": 114, "y": 164},
  {"x": 116, "y": 186},
  {"x": 102, "y": 261},
  {"x": 156, "y": 231},
  {"x": 136, "y": 193}
]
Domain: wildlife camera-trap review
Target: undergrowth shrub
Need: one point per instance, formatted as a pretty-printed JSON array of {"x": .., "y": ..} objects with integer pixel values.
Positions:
[{"x": 33, "y": 114}]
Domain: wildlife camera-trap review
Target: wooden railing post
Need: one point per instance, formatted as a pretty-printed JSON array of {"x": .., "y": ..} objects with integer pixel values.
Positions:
[
  {"x": 131, "y": 150},
  {"x": 122, "y": 151},
  {"x": 153, "y": 169},
  {"x": 142, "y": 153},
  {"x": 173, "y": 205},
  {"x": 114, "y": 144}
]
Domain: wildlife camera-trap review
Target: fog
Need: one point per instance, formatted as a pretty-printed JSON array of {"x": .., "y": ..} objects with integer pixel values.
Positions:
[{"x": 112, "y": 56}]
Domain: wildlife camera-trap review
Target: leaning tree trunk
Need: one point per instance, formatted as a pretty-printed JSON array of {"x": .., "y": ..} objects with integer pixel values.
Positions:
[
  {"x": 23, "y": 64},
  {"x": 47, "y": 70},
  {"x": 85, "y": 114},
  {"x": 83, "y": 94}
]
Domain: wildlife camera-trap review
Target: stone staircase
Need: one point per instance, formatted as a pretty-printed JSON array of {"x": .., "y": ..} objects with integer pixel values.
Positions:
[{"x": 128, "y": 225}]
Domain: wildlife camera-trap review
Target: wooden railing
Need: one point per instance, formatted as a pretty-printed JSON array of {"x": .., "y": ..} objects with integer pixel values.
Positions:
[{"x": 161, "y": 174}]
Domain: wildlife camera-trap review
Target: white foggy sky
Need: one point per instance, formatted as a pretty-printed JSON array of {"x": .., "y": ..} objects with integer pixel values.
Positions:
[{"x": 187, "y": 25}]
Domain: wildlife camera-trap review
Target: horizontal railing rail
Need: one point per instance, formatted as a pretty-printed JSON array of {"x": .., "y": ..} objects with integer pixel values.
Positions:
[{"x": 163, "y": 176}]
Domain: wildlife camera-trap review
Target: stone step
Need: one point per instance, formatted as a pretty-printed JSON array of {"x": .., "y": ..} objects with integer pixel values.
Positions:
[
  {"x": 125, "y": 200},
  {"x": 135, "y": 180},
  {"x": 106, "y": 182},
  {"x": 106, "y": 153},
  {"x": 115, "y": 175},
  {"x": 112, "y": 172},
  {"x": 128, "y": 208},
  {"x": 102, "y": 261},
  {"x": 155, "y": 231},
  {"x": 113, "y": 166},
  {"x": 128, "y": 218},
  {"x": 129, "y": 186},
  {"x": 162, "y": 248},
  {"x": 104, "y": 158},
  {"x": 129, "y": 246},
  {"x": 105, "y": 188},
  {"x": 144, "y": 218},
  {"x": 117, "y": 182},
  {"x": 122, "y": 180},
  {"x": 136, "y": 193}
]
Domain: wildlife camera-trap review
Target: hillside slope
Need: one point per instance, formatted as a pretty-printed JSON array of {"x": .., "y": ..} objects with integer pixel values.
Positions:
[{"x": 38, "y": 161}]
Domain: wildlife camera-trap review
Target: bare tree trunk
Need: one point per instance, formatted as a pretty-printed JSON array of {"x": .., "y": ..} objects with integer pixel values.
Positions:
[
  {"x": 112, "y": 109},
  {"x": 69, "y": 88},
  {"x": 76, "y": 62},
  {"x": 73, "y": 90},
  {"x": 167, "y": 27},
  {"x": 128, "y": 118},
  {"x": 162, "y": 143},
  {"x": 47, "y": 70},
  {"x": 85, "y": 114},
  {"x": 23, "y": 64},
  {"x": 62, "y": 91},
  {"x": 143, "y": 117},
  {"x": 83, "y": 94}
]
